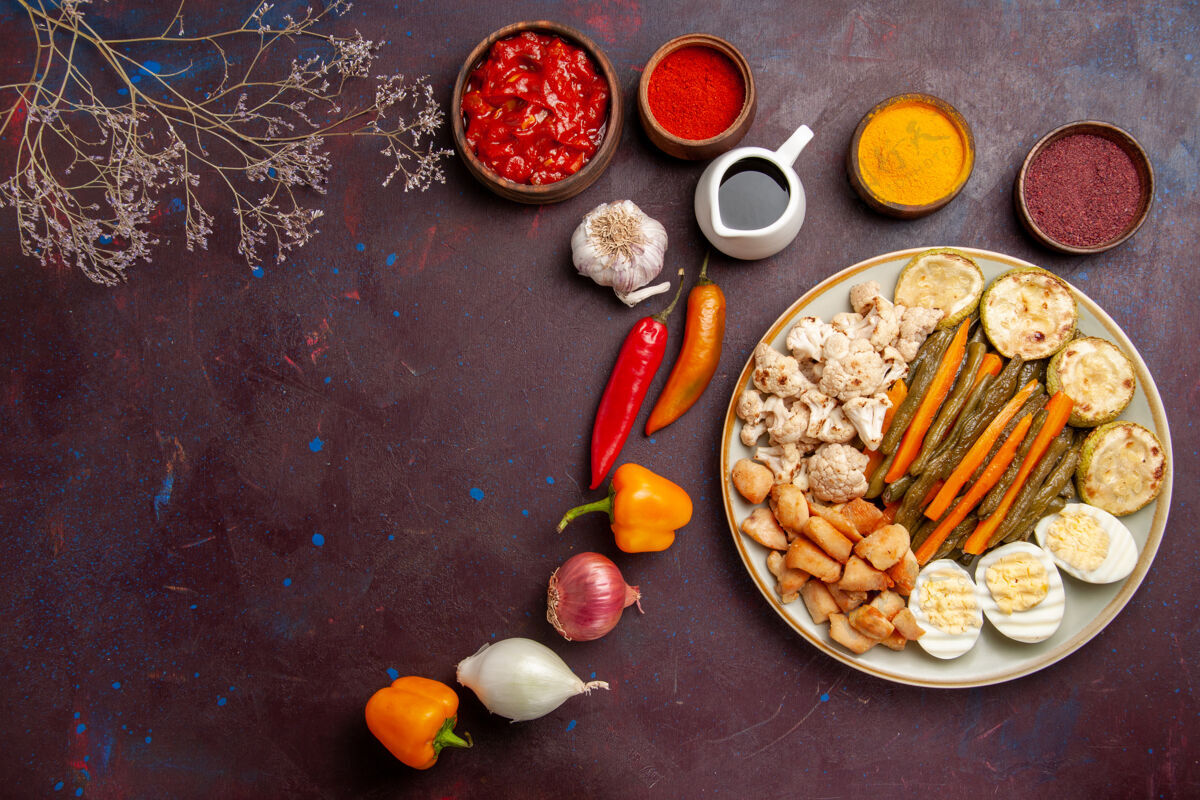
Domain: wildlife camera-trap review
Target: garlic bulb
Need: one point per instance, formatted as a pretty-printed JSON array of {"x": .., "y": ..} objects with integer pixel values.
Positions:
[
  {"x": 521, "y": 679},
  {"x": 617, "y": 245}
]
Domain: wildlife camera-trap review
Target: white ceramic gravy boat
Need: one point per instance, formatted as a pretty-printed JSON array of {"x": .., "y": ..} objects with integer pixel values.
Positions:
[{"x": 762, "y": 242}]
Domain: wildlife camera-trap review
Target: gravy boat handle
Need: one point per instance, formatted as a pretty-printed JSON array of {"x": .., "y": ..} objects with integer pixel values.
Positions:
[{"x": 790, "y": 150}]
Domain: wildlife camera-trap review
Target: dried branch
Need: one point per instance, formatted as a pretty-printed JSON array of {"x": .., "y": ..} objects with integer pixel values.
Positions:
[{"x": 90, "y": 173}]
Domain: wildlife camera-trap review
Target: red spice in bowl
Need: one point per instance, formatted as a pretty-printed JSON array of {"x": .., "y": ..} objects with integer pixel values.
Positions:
[
  {"x": 696, "y": 93},
  {"x": 1083, "y": 190}
]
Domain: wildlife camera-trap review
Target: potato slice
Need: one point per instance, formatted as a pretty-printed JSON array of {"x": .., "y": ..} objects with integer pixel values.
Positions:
[
  {"x": 842, "y": 633},
  {"x": 862, "y": 577},
  {"x": 819, "y": 601},
  {"x": 864, "y": 516},
  {"x": 884, "y": 547},
  {"x": 846, "y": 601},
  {"x": 906, "y": 625},
  {"x": 762, "y": 528},
  {"x": 752, "y": 480},
  {"x": 870, "y": 621},
  {"x": 904, "y": 573},
  {"x": 889, "y": 603},
  {"x": 790, "y": 507},
  {"x": 803, "y": 554},
  {"x": 828, "y": 538}
]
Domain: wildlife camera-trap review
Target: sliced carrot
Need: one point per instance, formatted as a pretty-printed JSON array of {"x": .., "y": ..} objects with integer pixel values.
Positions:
[
  {"x": 975, "y": 494},
  {"x": 943, "y": 379},
  {"x": 896, "y": 394},
  {"x": 974, "y": 457},
  {"x": 990, "y": 365},
  {"x": 1058, "y": 411}
]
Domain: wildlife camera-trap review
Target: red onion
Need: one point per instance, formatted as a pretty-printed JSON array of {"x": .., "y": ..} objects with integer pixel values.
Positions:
[{"x": 586, "y": 597}]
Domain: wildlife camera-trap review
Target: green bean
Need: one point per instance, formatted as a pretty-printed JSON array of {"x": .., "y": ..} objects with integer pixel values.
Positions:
[
  {"x": 991, "y": 501},
  {"x": 951, "y": 408},
  {"x": 956, "y": 537},
  {"x": 1023, "y": 530},
  {"x": 977, "y": 333},
  {"x": 938, "y": 461},
  {"x": 875, "y": 485},
  {"x": 916, "y": 390},
  {"x": 896, "y": 489},
  {"x": 1032, "y": 371},
  {"x": 1035, "y": 403},
  {"x": 1002, "y": 389},
  {"x": 1058, "y": 454},
  {"x": 922, "y": 533},
  {"x": 923, "y": 352},
  {"x": 913, "y": 503}
]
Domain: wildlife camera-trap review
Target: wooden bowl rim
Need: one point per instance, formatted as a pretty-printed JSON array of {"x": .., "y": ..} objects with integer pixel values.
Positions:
[
  {"x": 573, "y": 184},
  {"x": 1114, "y": 133},
  {"x": 726, "y": 49},
  {"x": 900, "y": 209}
]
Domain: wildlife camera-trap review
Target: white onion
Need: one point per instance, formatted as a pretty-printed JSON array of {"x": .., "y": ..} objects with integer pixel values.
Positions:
[
  {"x": 586, "y": 597},
  {"x": 521, "y": 679}
]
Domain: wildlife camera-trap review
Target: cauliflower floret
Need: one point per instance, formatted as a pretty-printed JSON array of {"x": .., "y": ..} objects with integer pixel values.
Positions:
[
  {"x": 885, "y": 324},
  {"x": 775, "y": 373},
  {"x": 751, "y": 431},
  {"x": 915, "y": 324},
  {"x": 837, "y": 345},
  {"x": 807, "y": 337},
  {"x": 837, "y": 428},
  {"x": 819, "y": 407},
  {"x": 750, "y": 406},
  {"x": 835, "y": 473},
  {"x": 860, "y": 372},
  {"x": 854, "y": 325},
  {"x": 812, "y": 370},
  {"x": 895, "y": 367},
  {"x": 783, "y": 460},
  {"x": 789, "y": 425},
  {"x": 861, "y": 295},
  {"x": 800, "y": 479},
  {"x": 866, "y": 415}
]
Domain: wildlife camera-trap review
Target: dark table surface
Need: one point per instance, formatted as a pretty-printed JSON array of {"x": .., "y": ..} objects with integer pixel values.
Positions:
[{"x": 235, "y": 504}]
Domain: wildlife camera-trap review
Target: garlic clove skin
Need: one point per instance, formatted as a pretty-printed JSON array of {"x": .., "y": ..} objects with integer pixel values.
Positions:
[
  {"x": 633, "y": 298},
  {"x": 521, "y": 679},
  {"x": 618, "y": 245}
]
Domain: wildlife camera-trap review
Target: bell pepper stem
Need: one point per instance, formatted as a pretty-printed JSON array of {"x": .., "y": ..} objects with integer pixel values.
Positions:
[
  {"x": 605, "y": 505},
  {"x": 446, "y": 737}
]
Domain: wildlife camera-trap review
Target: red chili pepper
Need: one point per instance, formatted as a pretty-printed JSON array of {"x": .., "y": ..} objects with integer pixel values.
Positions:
[{"x": 637, "y": 362}]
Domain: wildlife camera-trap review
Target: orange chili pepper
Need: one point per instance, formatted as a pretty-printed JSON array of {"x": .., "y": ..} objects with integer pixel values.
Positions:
[
  {"x": 645, "y": 509},
  {"x": 698, "y": 356},
  {"x": 414, "y": 719}
]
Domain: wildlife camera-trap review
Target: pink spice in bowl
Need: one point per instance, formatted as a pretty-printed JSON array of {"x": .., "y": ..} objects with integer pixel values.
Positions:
[{"x": 1084, "y": 188}]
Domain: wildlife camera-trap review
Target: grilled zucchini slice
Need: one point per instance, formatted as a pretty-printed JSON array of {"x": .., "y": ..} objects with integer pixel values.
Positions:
[
  {"x": 1028, "y": 312},
  {"x": 941, "y": 278},
  {"x": 1122, "y": 467},
  {"x": 1096, "y": 375}
]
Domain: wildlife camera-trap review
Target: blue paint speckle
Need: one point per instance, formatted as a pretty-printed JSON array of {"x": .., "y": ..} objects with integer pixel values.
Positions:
[
  {"x": 825, "y": 697},
  {"x": 152, "y": 66},
  {"x": 318, "y": 539},
  {"x": 148, "y": 740},
  {"x": 1187, "y": 57},
  {"x": 395, "y": 313},
  {"x": 58, "y": 786},
  {"x": 524, "y": 512},
  {"x": 476, "y": 493},
  {"x": 550, "y": 479},
  {"x": 123, "y": 90},
  {"x": 79, "y": 792},
  {"x": 571, "y": 726},
  {"x": 164, "y": 495},
  {"x": 316, "y": 444},
  {"x": 391, "y": 259},
  {"x": 360, "y": 247},
  {"x": 116, "y": 684},
  {"x": 393, "y": 673},
  {"x": 287, "y": 581},
  {"x": 271, "y": 171},
  {"x": 221, "y": 701},
  {"x": 80, "y": 728},
  {"x": 105, "y": 239},
  {"x": 76, "y": 715},
  {"x": 257, "y": 272},
  {"x": 328, "y": 379}
]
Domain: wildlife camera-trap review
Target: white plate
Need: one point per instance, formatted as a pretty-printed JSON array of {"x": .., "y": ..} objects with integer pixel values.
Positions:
[{"x": 995, "y": 659}]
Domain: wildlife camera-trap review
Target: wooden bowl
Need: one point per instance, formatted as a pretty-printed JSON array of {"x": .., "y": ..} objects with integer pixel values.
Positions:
[
  {"x": 697, "y": 149},
  {"x": 1122, "y": 139},
  {"x": 572, "y": 184},
  {"x": 884, "y": 206}
]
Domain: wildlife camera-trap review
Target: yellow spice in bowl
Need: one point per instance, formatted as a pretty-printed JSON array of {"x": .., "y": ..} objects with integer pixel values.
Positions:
[{"x": 911, "y": 153}]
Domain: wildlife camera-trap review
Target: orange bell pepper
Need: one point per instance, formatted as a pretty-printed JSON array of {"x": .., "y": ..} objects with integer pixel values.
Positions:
[
  {"x": 645, "y": 509},
  {"x": 414, "y": 719}
]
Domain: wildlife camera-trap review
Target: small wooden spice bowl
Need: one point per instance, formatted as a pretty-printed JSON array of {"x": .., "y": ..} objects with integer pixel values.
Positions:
[
  {"x": 573, "y": 184},
  {"x": 885, "y": 206},
  {"x": 1122, "y": 139},
  {"x": 698, "y": 149}
]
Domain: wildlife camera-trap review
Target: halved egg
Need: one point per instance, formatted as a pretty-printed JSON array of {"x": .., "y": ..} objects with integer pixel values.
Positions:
[
  {"x": 949, "y": 606},
  {"x": 1088, "y": 543},
  {"x": 1022, "y": 590}
]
